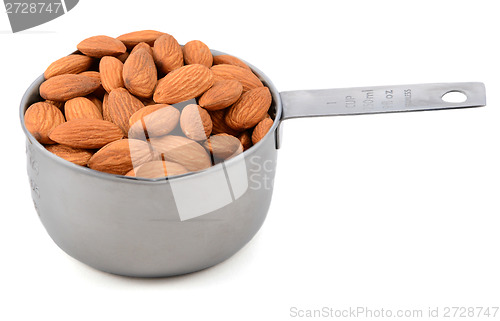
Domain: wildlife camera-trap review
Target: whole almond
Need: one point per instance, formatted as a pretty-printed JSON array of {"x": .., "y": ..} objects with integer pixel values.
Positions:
[
  {"x": 183, "y": 151},
  {"x": 245, "y": 139},
  {"x": 246, "y": 77},
  {"x": 65, "y": 87},
  {"x": 100, "y": 46},
  {"x": 195, "y": 122},
  {"x": 40, "y": 119},
  {"x": 105, "y": 108},
  {"x": 111, "y": 70},
  {"x": 158, "y": 169},
  {"x": 167, "y": 53},
  {"x": 261, "y": 130},
  {"x": 97, "y": 102},
  {"x": 86, "y": 133},
  {"x": 223, "y": 146},
  {"x": 219, "y": 125},
  {"x": 133, "y": 38},
  {"x": 144, "y": 46},
  {"x": 222, "y": 94},
  {"x": 81, "y": 107},
  {"x": 196, "y": 52},
  {"x": 120, "y": 156},
  {"x": 153, "y": 121},
  {"x": 250, "y": 109},
  {"x": 183, "y": 84},
  {"x": 77, "y": 156},
  {"x": 229, "y": 60},
  {"x": 139, "y": 73},
  {"x": 122, "y": 105},
  {"x": 72, "y": 64}
]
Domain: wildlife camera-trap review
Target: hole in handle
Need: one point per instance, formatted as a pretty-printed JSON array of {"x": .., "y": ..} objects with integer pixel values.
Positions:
[{"x": 454, "y": 96}]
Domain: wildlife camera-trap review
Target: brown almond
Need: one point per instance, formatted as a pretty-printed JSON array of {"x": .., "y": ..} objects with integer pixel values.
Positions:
[
  {"x": 153, "y": 121},
  {"x": 261, "y": 130},
  {"x": 105, "y": 108},
  {"x": 58, "y": 104},
  {"x": 223, "y": 146},
  {"x": 66, "y": 87},
  {"x": 111, "y": 70},
  {"x": 222, "y": 94},
  {"x": 77, "y": 156},
  {"x": 139, "y": 74},
  {"x": 86, "y": 133},
  {"x": 134, "y": 38},
  {"x": 97, "y": 102},
  {"x": 219, "y": 125},
  {"x": 245, "y": 139},
  {"x": 196, "y": 52},
  {"x": 246, "y": 77},
  {"x": 40, "y": 119},
  {"x": 183, "y": 84},
  {"x": 230, "y": 60},
  {"x": 100, "y": 46},
  {"x": 183, "y": 151},
  {"x": 121, "y": 156},
  {"x": 144, "y": 46},
  {"x": 167, "y": 53},
  {"x": 81, "y": 107},
  {"x": 123, "y": 57},
  {"x": 250, "y": 109},
  {"x": 158, "y": 169},
  {"x": 122, "y": 105},
  {"x": 72, "y": 64},
  {"x": 100, "y": 91},
  {"x": 195, "y": 122}
]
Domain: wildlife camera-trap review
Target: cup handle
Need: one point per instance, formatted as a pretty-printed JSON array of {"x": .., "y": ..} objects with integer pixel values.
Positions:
[{"x": 376, "y": 100}]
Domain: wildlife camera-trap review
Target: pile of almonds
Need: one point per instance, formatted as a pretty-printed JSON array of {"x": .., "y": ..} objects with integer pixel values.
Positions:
[{"x": 142, "y": 105}]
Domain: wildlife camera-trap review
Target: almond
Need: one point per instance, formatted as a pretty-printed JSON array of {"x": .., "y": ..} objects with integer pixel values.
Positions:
[
  {"x": 72, "y": 64},
  {"x": 123, "y": 57},
  {"x": 81, "y": 107},
  {"x": 167, "y": 53},
  {"x": 100, "y": 91},
  {"x": 121, "y": 105},
  {"x": 158, "y": 169},
  {"x": 120, "y": 156},
  {"x": 100, "y": 46},
  {"x": 77, "y": 156},
  {"x": 246, "y": 77},
  {"x": 65, "y": 87},
  {"x": 261, "y": 130},
  {"x": 111, "y": 70},
  {"x": 219, "y": 125},
  {"x": 153, "y": 121},
  {"x": 230, "y": 60},
  {"x": 133, "y": 38},
  {"x": 183, "y": 84},
  {"x": 144, "y": 46},
  {"x": 195, "y": 122},
  {"x": 196, "y": 52},
  {"x": 139, "y": 73},
  {"x": 58, "y": 104},
  {"x": 105, "y": 108},
  {"x": 250, "y": 109},
  {"x": 86, "y": 133},
  {"x": 183, "y": 151},
  {"x": 222, "y": 94},
  {"x": 245, "y": 139},
  {"x": 40, "y": 118},
  {"x": 223, "y": 146},
  {"x": 97, "y": 102}
]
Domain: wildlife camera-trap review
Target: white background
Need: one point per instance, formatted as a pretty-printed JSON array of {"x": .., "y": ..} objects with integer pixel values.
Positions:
[{"x": 386, "y": 211}]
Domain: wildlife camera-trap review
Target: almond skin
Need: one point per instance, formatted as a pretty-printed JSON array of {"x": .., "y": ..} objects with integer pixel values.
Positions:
[
  {"x": 72, "y": 64},
  {"x": 58, "y": 104},
  {"x": 139, "y": 74},
  {"x": 121, "y": 156},
  {"x": 77, "y": 156},
  {"x": 153, "y": 121},
  {"x": 223, "y": 146},
  {"x": 250, "y": 109},
  {"x": 222, "y": 94},
  {"x": 133, "y": 38},
  {"x": 122, "y": 105},
  {"x": 167, "y": 53},
  {"x": 97, "y": 102},
  {"x": 219, "y": 125},
  {"x": 86, "y": 133},
  {"x": 158, "y": 169},
  {"x": 195, "y": 122},
  {"x": 183, "y": 151},
  {"x": 245, "y": 139},
  {"x": 244, "y": 76},
  {"x": 66, "y": 87},
  {"x": 100, "y": 91},
  {"x": 40, "y": 119},
  {"x": 183, "y": 84},
  {"x": 100, "y": 46},
  {"x": 196, "y": 52},
  {"x": 123, "y": 57},
  {"x": 261, "y": 130},
  {"x": 81, "y": 107},
  {"x": 230, "y": 60},
  {"x": 111, "y": 70},
  {"x": 105, "y": 108},
  {"x": 144, "y": 46}
]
